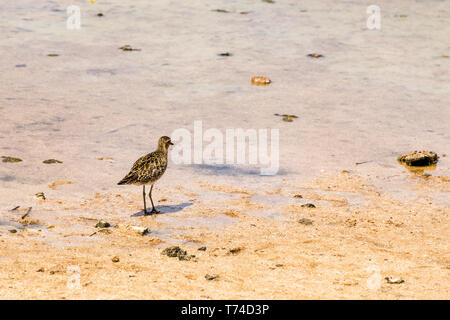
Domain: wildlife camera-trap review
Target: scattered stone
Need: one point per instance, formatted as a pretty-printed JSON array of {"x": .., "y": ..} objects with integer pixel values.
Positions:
[
  {"x": 260, "y": 81},
  {"x": 244, "y": 12},
  {"x": 102, "y": 224},
  {"x": 419, "y": 158},
  {"x": 105, "y": 158},
  {"x": 279, "y": 265},
  {"x": 99, "y": 14},
  {"x": 13, "y": 231},
  {"x": 211, "y": 277},
  {"x": 176, "y": 251},
  {"x": 40, "y": 195},
  {"x": 299, "y": 196},
  {"x": 40, "y": 270},
  {"x": 15, "y": 208},
  {"x": 315, "y": 55},
  {"x": 394, "y": 280},
  {"x": 306, "y": 222},
  {"x": 51, "y": 161},
  {"x": 220, "y": 10},
  {"x": 308, "y": 205},
  {"x": 202, "y": 249},
  {"x": 21, "y": 65},
  {"x": 11, "y": 159},
  {"x": 186, "y": 257},
  {"x": 127, "y": 47},
  {"x": 225, "y": 54},
  {"x": 234, "y": 251},
  {"x": 286, "y": 117},
  {"x": 53, "y": 55},
  {"x": 141, "y": 230},
  {"x": 268, "y": 1},
  {"x": 115, "y": 259}
]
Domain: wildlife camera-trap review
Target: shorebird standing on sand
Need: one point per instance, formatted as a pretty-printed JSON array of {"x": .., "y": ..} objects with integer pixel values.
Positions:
[{"x": 148, "y": 169}]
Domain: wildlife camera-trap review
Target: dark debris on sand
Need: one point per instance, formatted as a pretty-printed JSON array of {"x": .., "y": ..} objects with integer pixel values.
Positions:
[{"x": 176, "y": 251}]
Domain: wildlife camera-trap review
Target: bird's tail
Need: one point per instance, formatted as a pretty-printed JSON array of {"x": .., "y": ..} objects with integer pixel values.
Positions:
[{"x": 129, "y": 179}]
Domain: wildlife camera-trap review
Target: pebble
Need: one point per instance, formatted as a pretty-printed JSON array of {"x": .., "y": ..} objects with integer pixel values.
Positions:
[
  {"x": 306, "y": 222},
  {"x": 211, "y": 277},
  {"x": 102, "y": 224}
]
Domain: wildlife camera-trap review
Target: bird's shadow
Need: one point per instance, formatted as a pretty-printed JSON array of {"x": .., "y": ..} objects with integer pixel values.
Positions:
[{"x": 165, "y": 209}]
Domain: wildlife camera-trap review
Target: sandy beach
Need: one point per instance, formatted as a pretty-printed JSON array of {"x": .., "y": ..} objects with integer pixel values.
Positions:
[{"x": 377, "y": 230}]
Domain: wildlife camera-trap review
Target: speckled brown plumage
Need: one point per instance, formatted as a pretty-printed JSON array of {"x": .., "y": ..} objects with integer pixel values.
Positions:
[{"x": 149, "y": 168}]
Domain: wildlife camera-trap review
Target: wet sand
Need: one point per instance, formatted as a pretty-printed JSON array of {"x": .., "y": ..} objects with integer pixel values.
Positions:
[
  {"x": 271, "y": 249},
  {"x": 376, "y": 94}
]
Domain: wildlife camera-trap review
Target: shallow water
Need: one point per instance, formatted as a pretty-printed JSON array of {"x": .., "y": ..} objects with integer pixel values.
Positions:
[{"x": 376, "y": 94}]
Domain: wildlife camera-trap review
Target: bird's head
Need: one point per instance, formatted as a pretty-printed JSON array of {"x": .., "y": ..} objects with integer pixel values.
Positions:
[{"x": 164, "y": 143}]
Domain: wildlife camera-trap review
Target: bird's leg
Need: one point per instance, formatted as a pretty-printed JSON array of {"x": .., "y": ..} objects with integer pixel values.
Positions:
[
  {"x": 153, "y": 206},
  {"x": 145, "y": 205}
]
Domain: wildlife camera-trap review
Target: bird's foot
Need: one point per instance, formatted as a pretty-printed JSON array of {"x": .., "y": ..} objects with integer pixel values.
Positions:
[{"x": 154, "y": 211}]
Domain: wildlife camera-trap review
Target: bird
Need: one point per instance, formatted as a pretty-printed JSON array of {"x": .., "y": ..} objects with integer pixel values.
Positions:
[{"x": 148, "y": 169}]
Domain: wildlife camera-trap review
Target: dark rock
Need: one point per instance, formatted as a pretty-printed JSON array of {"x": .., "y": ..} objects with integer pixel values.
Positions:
[
  {"x": 202, "y": 249},
  {"x": 306, "y": 222},
  {"x": 174, "y": 251},
  {"x": 102, "y": 224},
  {"x": 235, "y": 251},
  {"x": 211, "y": 277},
  {"x": 51, "y": 161},
  {"x": 308, "y": 205},
  {"x": 419, "y": 158},
  {"x": 11, "y": 159}
]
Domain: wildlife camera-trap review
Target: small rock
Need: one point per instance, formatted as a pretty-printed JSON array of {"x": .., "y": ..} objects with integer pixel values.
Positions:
[
  {"x": 21, "y": 65},
  {"x": 315, "y": 55},
  {"x": 186, "y": 257},
  {"x": 220, "y": 10},
  {"x": 128, "y": 48},
  {"x": 102, "y": 224},
  {"x": 51, "y": 161},
  {"x": 235, "y": 251},
  {"x": 299, "y": 196},
  {"x": 115, "y": 259},
  {"x": 13, "y": 231},
  {"x": 260, "y": 81},
  {"x": 419, "y": 158},
  {"x": 394, "y": 280},
  {"x": 225, "y": 54},
  {"x": 40, "y": 270},
  {"x": 99, "y": 14},
  {"x": 141, "y": 230},
  {"x": 308, "y": 205},
  {"x": 53, "y": 55},
  {"x": 40, "y": 195},
  {"x": 202, "y": 249},
  {"x": 211, "y": 277},
  {"x": 174, "y": 251},
  {"x": 306, "y": 222},
  {"x": 11, "y": 159}
]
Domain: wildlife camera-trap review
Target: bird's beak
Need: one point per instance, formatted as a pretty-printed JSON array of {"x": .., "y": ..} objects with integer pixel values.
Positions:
[{"x": 170, "y": 143}]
